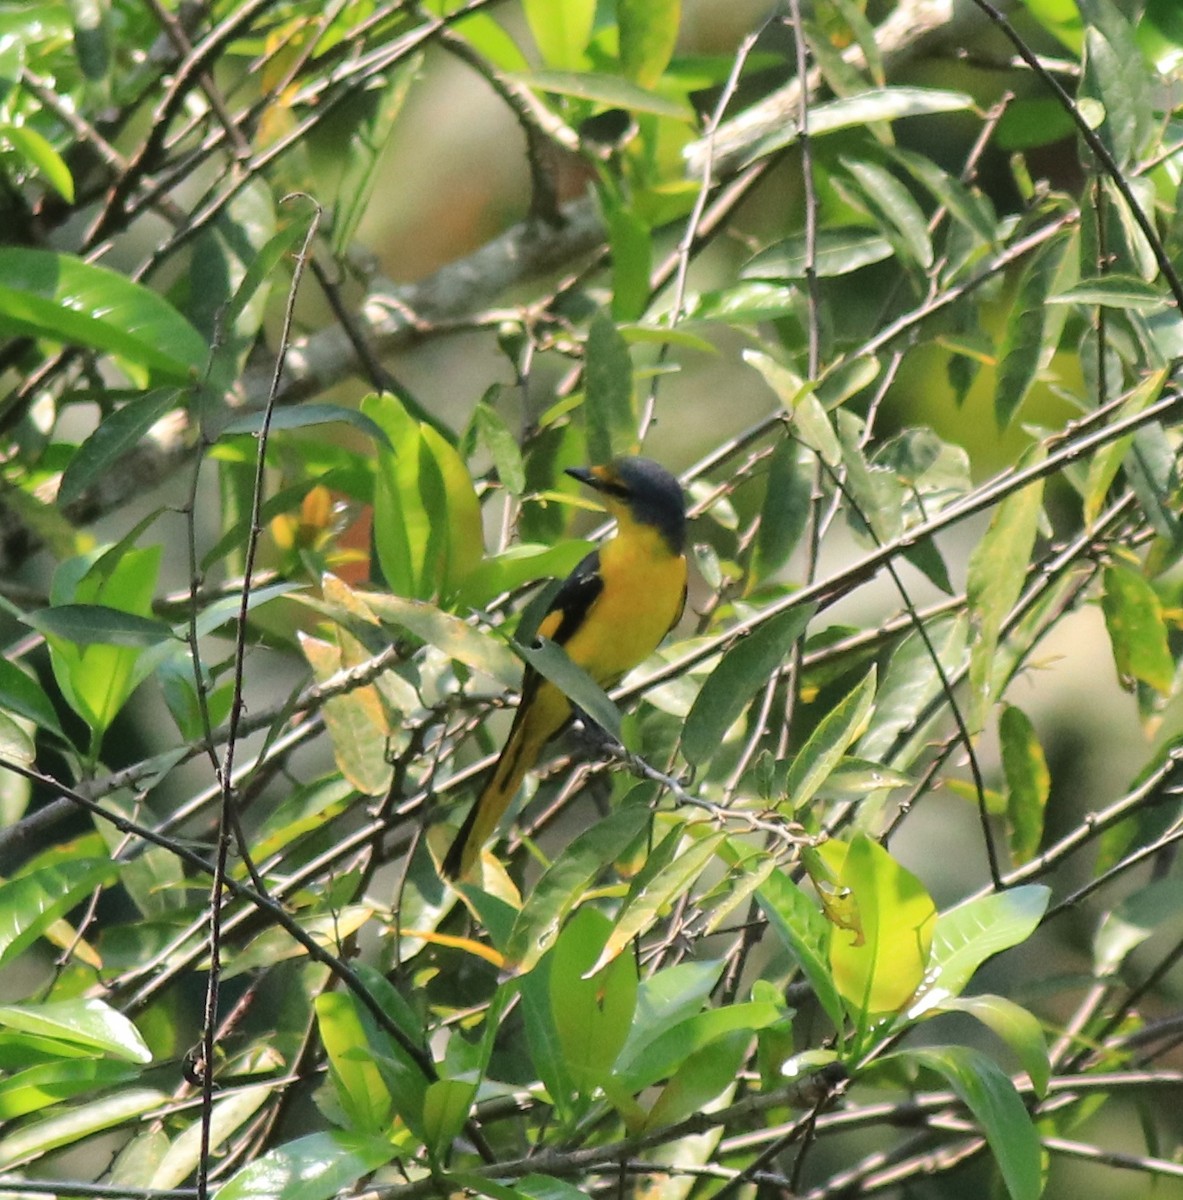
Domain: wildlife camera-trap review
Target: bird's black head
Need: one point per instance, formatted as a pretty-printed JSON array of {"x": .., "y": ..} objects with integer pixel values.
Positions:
[{"x": 645, "y": 491}]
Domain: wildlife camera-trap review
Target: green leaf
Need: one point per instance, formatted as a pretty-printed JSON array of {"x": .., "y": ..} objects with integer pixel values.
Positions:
[
  {"x": 996, "y": 574},
  {"x": 65, "y": 300},
  {"x": 450, "y": 500},
  {"x": 744, "y": 303},
  {"x": 1137, "y": 630},
  {"x": 603, "y": 89},
  {"x": 235, "y": 260},
  {"x": 632, "y": 259},
  {"x": 227, "y": 1115},
  {"x": 1133, "y": 921},
  {"x": 49, "y": 1083},
  {"x": 809, "y": 418},
  {"x": 1107, "y": 461},
  {"x": 1114, "y": 291},
  {"x": 703, "y": 1077},
  {"x": 648, "y": 34},
  {"x": 1028, "y": 782},
  {"x": 361, "y": 1090},
  {"x": 302, "y": 416},
  {"x": 427, "y": 520},
  {"x": 652, "y": 891},
  {"x": 836, "y": 252},
  {"x": 30, "y": 904},
  {"x": 89, "y": 1023},
  {"x": 40, "y": 155},
  {"x": 76, "y": 1124},
  {"x": 518, "y": 565},
  {"x": 503, "y": 446},
  {"x": 875, "y": 104},
  {"x": 446, "y": 1105},
  {"x": 358, "y": 173},
  {"x": 665, "y": 999},
  {"x": 98, "y": 625},
  {"x": 910, "y": 684},
  {"x": 1032, "y": 331},
  {"x": 118, "y": 434},
  {"x": 991, "y": 1097},
  {"x": 608, "y": 403},
  {"x": 316, "y": 1167},
  {"x": 1115, "y": 75},
  {"x": 973, "y": 931},
  {"x": 799, "y": 923},
  {"x": 829, "y": 741},
  {"x": 1016, "y": 1026},
  {"x": 16, "y": 746},
  {"x": 878, "y": 967},
  {"x": 888, "y": 199},
  {"x": 743, "y": 670},
  {"x": 561, "y": 31},
  {"x": 550, "y": 660},
  {"x": 667, "y": 1052},
  {"x": 564, "y": 884},
  {"x": 873, "y": 493},
  {"x": 972, "y": 209},
  {"x": 592, "y": 1012},
  {"x": 785, "y": 511}
]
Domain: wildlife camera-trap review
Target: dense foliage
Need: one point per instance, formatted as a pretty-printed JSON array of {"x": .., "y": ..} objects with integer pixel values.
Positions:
[{"x": 901, "y": 280}]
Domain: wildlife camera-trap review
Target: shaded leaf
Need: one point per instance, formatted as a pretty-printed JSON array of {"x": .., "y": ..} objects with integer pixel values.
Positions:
[
  {"x": 1137, "y": 631},
  {"x": 648, "y": 34},
  {"x": 991, "y": 1097},
  {"x": 118, "y": 434},
  {"x": 1028, "y": 782},
  {"x": 743, "y": 670},
  {"x": 564, "y": 884},
  {"x": 996, "y": 574},
  {"x": 829, "y": 741},
  {"x": 608, "y": 401},
  {"x": 605, "y": 89}
]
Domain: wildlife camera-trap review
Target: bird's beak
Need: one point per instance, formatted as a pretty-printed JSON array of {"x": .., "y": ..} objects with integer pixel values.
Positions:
[{"x": 586, "y": 475}]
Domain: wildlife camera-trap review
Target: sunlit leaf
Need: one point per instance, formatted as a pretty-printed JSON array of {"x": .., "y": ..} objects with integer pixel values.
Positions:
[
  {"x": 65, "y": 300},
  {"x": 89, "y": 1023},
  {"x": 561, "y": 31},
  {"x": 316, "y": 1167},
  {"x": 31, "y": 903},
  {"x": 975, "y": 930},
  {"x": 878, "y": 967}
]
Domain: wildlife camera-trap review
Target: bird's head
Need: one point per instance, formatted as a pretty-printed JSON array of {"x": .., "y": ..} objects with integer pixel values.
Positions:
[{"x": 639, "y": 491}]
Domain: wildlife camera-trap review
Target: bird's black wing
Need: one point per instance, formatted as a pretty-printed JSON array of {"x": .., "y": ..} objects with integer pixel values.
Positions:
[{"x": 577, "y": 593}]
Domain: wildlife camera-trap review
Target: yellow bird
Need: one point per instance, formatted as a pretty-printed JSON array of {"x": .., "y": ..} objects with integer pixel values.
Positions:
[{"x": 609, "y": 614}]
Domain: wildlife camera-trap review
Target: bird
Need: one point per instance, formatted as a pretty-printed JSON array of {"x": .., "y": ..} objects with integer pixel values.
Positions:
[{"x": 609, "y": 614}]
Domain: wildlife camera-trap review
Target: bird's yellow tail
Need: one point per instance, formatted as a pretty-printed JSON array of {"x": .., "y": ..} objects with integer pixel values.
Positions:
[{"x": 526, "y": 739}]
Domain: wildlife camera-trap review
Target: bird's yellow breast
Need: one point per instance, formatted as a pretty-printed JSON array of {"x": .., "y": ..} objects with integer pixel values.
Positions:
[{"x": 644, "y": 586}]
